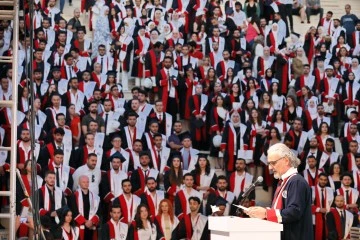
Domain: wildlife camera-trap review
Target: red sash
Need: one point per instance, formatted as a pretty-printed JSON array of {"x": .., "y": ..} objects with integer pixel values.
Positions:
[
  {"x": 183, "y": 203},
  {"x": 319, "y": 217}
]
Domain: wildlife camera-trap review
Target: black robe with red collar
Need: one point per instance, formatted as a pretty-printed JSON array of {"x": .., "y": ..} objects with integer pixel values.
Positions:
[{"x": 184, "y": 230}]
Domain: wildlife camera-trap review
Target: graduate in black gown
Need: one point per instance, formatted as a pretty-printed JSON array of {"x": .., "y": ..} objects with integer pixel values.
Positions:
[{"x": 292, "y": 200}]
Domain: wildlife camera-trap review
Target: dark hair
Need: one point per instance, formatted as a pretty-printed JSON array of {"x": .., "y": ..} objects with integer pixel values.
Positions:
[
  {"x": 331, "y": 169},
  {"x": 63, "y": 214},
  {"x": 331, "y": 141},
  {"x": 157, "y": 135},
  {"x": 150, "y": 178},
  {"x": 221, "y": 177},
  {"x": 275, "y": 114},
  {"x": 196, "y": 199},
  {"x": 91, "y": 155},
  {"x": 321, "y": 124},
  {"x": 207, "y": 167},
  {"x": 323, "y": 174},
  {"x": 298, "y": 119},
  {"x": 173, "y": 179},
  {"x": 187, "y": 174},
  {"x": 124, "y": 181},
  {"x": 59, "y": 131},
  {"x": 59, "y": 115},
  {"x": 138, "y": 221},
  {"x": 346, "y": 175},
  {"x": 277, "y": 133},
  {"x": 49, "y": 172},
  {"x": 58, "y": 152}
]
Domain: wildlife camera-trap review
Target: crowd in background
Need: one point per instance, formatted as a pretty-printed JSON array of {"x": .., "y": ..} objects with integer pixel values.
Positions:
[{"x": 134, "y": 100}]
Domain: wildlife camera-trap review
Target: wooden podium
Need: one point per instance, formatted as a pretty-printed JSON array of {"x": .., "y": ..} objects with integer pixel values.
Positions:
[{"x": 234, "y": 228}]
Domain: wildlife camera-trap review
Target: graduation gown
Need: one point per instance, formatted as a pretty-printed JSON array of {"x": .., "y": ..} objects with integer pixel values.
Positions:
[
  {"x": 128, "y": 211},
  {"x": 228, "y": 196},
  {"x": 297, "y": 222},
  {"x": 84, "y": 208},
  {"x": 48, "y": 203},
  {"x": 198, "y": 104},
  {"x": 333, "y": 222},
  {"x": 138, "y": 179},
  {"x": 232, "y": 140},
  {"x": 108, "y": 230},
  {"x": 186, "y": 230},
  {"x": 318, "y": 217},
  {"x": 152, "y": 202},
  {"x": 134, "y": 233},
  {"x": 182, "y": 207}
]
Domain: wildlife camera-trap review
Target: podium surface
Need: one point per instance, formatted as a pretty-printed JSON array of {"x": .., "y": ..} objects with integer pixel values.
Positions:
[{"x": 234, "y": 228}]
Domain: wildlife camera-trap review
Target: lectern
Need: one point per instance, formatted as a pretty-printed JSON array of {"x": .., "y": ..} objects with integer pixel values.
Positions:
[{"x": 235, "y": 228}]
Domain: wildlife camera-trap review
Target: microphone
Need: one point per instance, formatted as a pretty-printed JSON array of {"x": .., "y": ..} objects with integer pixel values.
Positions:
[{"x": 252, "y": 187}]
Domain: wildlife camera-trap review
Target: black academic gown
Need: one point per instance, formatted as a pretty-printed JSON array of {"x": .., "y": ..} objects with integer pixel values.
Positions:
[{"x": 296, "y": 210}]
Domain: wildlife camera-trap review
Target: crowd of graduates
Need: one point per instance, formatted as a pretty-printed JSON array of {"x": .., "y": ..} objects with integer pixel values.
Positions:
[{"x": 149, "y": 114}]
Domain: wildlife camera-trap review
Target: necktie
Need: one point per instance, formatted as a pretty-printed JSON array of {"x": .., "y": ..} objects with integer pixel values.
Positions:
[
  {"x": 70, "y": 73},
  {"x": 347, "y": 197},
  {"x": 46, "y": 37},
  {"x": 59, "y": 147},
  {"x": 158, "y": 158},
  {"x": 186, "y": 159},
  {"x": 102, "y": 64},
  {"x": 277, "y": 192},
  {"x": 160, "y": 117},
  {"x": 37, "y": 120},
  {"x": 342, "y": 218},
  {"x": 323, "y": 204},
  {"x": 59, "y": 60},
  {"x": 106, "y": 120},
  {"x": 57, "y": 177},
  {"x": 359, "y": 37},
  {"x": 145, "y": 174}
]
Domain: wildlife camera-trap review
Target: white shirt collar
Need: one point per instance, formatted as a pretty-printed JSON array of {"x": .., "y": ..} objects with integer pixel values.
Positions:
[{"x": 289, "y": 172}]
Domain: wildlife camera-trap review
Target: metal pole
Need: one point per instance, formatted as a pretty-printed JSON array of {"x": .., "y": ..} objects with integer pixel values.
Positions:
[{"x": 13, "y": 152}]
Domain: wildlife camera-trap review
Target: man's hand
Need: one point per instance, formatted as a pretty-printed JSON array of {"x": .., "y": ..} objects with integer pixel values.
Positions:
[
  {"x": 88, "y": 224},
  {"x": 322, "y": 210},
  {"x": 256, "y": 212}
]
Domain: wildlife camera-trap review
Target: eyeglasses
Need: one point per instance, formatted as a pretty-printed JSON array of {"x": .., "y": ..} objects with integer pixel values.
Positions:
[{"x": 273, "y": 163}]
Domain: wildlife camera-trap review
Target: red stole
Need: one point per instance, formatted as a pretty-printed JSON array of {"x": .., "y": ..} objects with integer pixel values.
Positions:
[
  {"x": 337, "y": 222},
  {"x": 21, "y": 154},
  {"x": 151, "y": 205},
  {"x": 111, "y": 230},
  {"x": 319, "y": 217},
  {"x": 124, "y": 208},
  {"x": 232, "y": 182},
  {"x": 165, "y": 94},
  {"x": 311, "y": 47},
  {"x": 188, "y": 226},
  {"x": 183, "y": 202}
]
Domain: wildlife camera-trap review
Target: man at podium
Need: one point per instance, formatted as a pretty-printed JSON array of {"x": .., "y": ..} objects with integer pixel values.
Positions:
[{"x": 291, "y": 205}]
